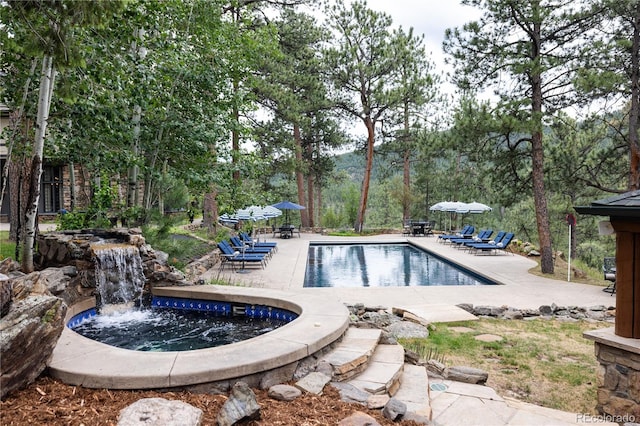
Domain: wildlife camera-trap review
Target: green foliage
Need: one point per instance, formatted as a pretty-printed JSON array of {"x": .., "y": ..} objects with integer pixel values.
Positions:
[
  {"x": 331, "y": 219},
  {"x": 350, "y": 201},
  {"x": 7, "y": 247},
  {"x": 104, "y": 196},
  {"x": 132, "y": 216},
  {"x": 71, "y": 220},
  {"x": 593, "y": 252},
  {"x": 181, "y": 248}
]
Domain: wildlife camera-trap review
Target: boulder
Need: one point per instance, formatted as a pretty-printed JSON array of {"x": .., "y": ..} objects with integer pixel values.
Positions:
[
  {"x": 6, "y": 295},
  {"x": 408, "y": 329},
  {"x": 394, "y": 409},
  {"x": 358, "y": 419},
  {"x": 241, "y": 405},
  {"x": 467, "y": 375},
  {"x": 350, "y": 393},
  {"x": 160, "y": 411},
  {"x": 313, "y": 382},
  {"x": 284, "y": 392},
  {"x": 28, "y": 334}
]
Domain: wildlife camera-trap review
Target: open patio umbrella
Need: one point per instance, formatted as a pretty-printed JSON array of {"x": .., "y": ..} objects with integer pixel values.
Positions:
[
  {"x": 251, "y": 213},
  {"x": 448, "y": 206},
  {"x": 473, "y": 207},
  {"x": 286, "y": 206},
  {"x": 227, "y": 220},
  {"x": 256, "y": 213},
  {"x": 270, "y": 211}
]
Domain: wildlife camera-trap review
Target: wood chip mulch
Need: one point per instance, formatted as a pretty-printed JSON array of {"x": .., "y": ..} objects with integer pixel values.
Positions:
[{"x": 52, "y": 403}]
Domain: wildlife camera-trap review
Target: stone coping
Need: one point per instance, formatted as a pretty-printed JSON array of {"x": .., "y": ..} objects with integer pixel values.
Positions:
[
  {"x": 607, "y": 336},
  {"x": 77, "y": 360}
]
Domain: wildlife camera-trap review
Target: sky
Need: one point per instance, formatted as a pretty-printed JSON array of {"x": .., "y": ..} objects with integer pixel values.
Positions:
[{"x": 428, "y": 17}]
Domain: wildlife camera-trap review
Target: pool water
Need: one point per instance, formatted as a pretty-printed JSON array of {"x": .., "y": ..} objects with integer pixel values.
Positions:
[
  {"x": 382, "y": 265},
  {"x": 164, "y": 330}
]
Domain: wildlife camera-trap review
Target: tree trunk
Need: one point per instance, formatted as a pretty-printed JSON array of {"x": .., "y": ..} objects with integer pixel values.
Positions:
[
  {"x": 537, "y": 161},
  {"x": 362, "y": 208},
  {"x": 304, "y": 216},
  {"x": 72, "y": 186},
  {"x": 18, "y": 169},
  {"x": 132, "y": 187},
  {"x": 310, "y": 203},
  {"x": 15, "y": 122},
  {"x": 310, "y": 188},
  {"x": 319, "y": 202},
  {"x": 406, "y": 169},
  {"x": 44, "y": 102},
  {"x": 210, "y": 210},
  {"x": 235, "y": 139}
]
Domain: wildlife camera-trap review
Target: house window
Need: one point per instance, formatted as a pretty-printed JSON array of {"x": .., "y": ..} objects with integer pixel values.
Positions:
[{"x": 50, "y": 189}]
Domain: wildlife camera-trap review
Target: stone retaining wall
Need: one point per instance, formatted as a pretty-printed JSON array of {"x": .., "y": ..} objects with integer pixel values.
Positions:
[{"x": 618, "y": 375}]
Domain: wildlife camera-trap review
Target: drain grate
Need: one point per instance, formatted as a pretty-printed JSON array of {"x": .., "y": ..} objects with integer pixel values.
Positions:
[{"x": 438, "y": 387}]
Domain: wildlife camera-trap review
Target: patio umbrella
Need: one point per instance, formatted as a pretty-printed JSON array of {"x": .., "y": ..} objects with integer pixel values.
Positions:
[
  {"x": 448, "y": 206},
  {"x": 473, "y": 207},
  {"x": 246, "y": 214},
  {"x": 286, "y": 206},
  {"x": 263, "y": 213},
  {"x": 227, "y": 220},
  {"x": 270, "y": 211}
]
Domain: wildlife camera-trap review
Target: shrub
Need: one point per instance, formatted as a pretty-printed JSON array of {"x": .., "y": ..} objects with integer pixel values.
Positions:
[{"x": 592, "y": 253}]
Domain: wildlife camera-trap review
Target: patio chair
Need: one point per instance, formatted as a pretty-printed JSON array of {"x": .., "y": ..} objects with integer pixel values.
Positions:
[
  {"x": 253, "y": 243},
  {"x": 428, "y": 229},
  {"x": 494, "y": 248},
  {"x": 238, "y": 244},
  {"x": 609, "y": 270},
  {"x": 406, "y": 227},
  {"x": 467, "y": 230},
  {"x": 228, "y": 255}
]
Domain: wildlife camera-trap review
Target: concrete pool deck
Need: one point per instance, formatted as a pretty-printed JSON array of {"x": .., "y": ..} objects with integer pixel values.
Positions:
[{"x": 519, "y": 289}]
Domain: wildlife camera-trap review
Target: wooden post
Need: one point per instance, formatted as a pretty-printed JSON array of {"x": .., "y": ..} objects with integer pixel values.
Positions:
[{"x": 627, "y": 277}]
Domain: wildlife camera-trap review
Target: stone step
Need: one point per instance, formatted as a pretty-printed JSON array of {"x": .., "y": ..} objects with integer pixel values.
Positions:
[
  {"x": 351, "y": 356},
  {"x": 382, "y": 375},
  {"x": 414, "y": 390}
]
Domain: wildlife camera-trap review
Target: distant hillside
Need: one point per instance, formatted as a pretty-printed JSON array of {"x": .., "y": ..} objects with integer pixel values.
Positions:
[{"x": 352, "y": 163}]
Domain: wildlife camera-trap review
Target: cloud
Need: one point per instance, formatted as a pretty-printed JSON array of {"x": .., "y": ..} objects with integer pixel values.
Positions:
[{"x": 428, "y": 17}]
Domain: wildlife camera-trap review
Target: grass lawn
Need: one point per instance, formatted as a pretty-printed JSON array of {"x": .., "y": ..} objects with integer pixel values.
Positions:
[
  {"x": 543, "y": 362},
  {"x": 7, "y": 248}
]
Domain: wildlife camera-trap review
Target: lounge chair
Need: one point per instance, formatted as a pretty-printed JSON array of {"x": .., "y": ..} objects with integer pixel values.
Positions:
[
  {"x": 228, "y": 255},
  {"x": 238, "y": 244},
  {"x": 253, "y": 243},
  {"x": 609, "y": 269},
  {"x": 467, "y": 230},
  {"x": 499, "y": 236},
  {"x": 482, "y": 237},
  {"x": 494, "y": 248}
]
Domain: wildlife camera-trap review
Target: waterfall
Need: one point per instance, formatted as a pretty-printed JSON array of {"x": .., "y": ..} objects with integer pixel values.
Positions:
[{"x": 119, "y": 275}]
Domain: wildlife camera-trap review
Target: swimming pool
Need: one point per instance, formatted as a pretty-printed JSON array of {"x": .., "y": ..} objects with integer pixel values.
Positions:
[{"x": 382, "y": 265}]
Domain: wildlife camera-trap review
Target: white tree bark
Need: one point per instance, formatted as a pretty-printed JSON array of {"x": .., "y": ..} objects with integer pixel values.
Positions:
[{"x": 47, "y": 77}]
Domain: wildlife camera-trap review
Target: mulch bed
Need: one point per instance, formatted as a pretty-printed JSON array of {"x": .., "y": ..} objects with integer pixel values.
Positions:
[{"x": 52, "y": 403}]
